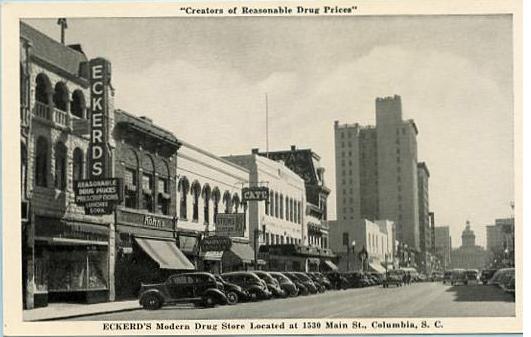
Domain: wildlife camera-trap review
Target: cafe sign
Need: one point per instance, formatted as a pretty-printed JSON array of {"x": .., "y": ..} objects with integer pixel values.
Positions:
[
  {"x": 215, "y": 244},
  {"x": 230, "y": 225},
  {"x": 255, "y": 193}
]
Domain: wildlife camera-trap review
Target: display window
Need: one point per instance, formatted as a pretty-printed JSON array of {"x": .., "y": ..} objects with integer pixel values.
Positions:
[{"x": 77, "y": 269}]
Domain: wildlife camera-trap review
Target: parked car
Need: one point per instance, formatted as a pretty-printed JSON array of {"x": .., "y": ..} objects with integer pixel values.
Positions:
[
  {"x": 307, "y": 281},
  {"x": 337, "y": 280},
  {"x": 377, "y": 277},
  {"x": 356, "y": 279},
  {"x": 250, "y": 282},
  {"x": 501, "y": 276},
  {"x": 272, "y": 283},
  {"x": 472, "y": 276},
  {"x": 509, "y": 285},
  {"x": 321, "y": 287},
  {"x": 436, "y": 276},
  {"x": 459, "y": 276},
  {"x": 285, "y": 283},
  {"x": 234, "y": 292},
  {"x": 393, "y": 277},
  {"x": 303, "y": 290},
  {"x": 486, "y": 275},
  {"x": 197, "y": 288},
  {"x": 323, "y": 279}
]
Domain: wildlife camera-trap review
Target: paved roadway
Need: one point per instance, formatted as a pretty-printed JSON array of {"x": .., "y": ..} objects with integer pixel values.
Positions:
[{"x": 416, "y": 300}]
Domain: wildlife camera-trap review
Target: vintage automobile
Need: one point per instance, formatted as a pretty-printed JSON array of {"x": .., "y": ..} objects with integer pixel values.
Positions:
[
  {"x": 486, "y": 275},
  {"x": 393, "y": 277},
  {"x": 337, "y": 280},
  {"x": 459, "y": 276},
  {"x": 472, "y": 276},
  {"x": 272, "y": 284},
  {"x": 285, "y": 283},
  {"x": 303, "y": 289},
  {"x": 501, "y": 276},
  {"x": 250, "y": 282},
  {"x": 197, "y": 288},
  {"x": 234, "y": 292},
  {"x": 307, "y": 281}
]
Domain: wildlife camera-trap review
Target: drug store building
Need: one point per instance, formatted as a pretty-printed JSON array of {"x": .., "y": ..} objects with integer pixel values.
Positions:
[{"x": 68, "y": 255}]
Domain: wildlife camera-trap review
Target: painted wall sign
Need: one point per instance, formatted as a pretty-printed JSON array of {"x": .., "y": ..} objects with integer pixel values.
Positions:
[
  {"x": 100, "y": 77},
  {"x": 230, "y": 225},
  {"x": 142, "y": 219},
  {"x": 257, "y": 193}
]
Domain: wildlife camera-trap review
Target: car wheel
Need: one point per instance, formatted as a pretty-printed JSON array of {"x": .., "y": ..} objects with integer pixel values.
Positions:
[
  {"x": 232, "y": 298},
  {"x": 151, "y": 302},
  {"x": 209, "y": 301}
]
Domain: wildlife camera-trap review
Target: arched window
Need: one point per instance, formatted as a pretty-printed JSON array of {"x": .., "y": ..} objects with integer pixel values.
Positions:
[
  {"x": 206, "y": 198},
  {"x": 60, "y": 166},
  {"x": 78, "y": 104},
  {"x": 183, "y": 192},
  {"x": 42, "y": 89},
  {"x": 78, "y": 164},
  {"x": 236, "y": 203},
  {"x": 41, "y": 162},
  {"x": 60, "y": 96},
  {"x": 131, "y": 179},
  {"x": 148, "y": 189},
  {"x": 163, "y": 188},
  {"x": 215, "y": 201},
  {"x": 227, "y": 201},
  {"x": 196, "y": 192}
]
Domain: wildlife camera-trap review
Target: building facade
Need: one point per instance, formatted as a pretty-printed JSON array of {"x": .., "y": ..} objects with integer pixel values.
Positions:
[
  {"x": 469, "y": 255},
  {"x": 306, "y": 164},
  {"x": 500, "y": 242},
  {"x": 208, "y": 186},
  {"x": 443, "y": 246},
  {"x": 376, "y": 172},
  {"x": 425, "y": 256}
]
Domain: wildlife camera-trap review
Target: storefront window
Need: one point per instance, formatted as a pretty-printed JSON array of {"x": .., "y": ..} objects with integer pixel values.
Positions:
[{"x": 79, "y": 268}]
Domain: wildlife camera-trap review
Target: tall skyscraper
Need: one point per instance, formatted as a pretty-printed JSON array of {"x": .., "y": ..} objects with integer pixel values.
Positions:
[
  {"x": 376, "y": 170},
  {"x": 443, "y": 245},
  {"x": 424, "y": 207}
]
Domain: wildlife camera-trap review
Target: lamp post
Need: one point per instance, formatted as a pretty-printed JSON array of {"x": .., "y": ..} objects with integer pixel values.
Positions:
[{"x": 353, "y": 244}]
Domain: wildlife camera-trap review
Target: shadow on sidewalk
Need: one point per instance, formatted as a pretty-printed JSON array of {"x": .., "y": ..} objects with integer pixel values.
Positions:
[{"x": 480, "y": 293}]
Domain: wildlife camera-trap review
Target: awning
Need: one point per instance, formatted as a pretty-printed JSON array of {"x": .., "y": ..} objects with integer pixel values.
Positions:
[
  {"x": 330, "y": 265},
  {"x": 187, "y": 244},
  {"x": 212, "y": 255},
  {"x": 243, "y": 251},
  {"x": 165, "y": 253},
  {"x": 377, "y": 268}
]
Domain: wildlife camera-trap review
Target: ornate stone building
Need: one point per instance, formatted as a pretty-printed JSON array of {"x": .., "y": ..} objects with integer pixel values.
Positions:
[{"x": 469, "y": 256}]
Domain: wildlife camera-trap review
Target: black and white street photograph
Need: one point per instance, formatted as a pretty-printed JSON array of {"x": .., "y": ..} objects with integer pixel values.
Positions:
[{"x": 268, "y": 166}]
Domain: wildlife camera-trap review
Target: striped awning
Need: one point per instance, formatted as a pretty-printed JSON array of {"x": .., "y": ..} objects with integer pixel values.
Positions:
[{"x": 165, "y": 253}]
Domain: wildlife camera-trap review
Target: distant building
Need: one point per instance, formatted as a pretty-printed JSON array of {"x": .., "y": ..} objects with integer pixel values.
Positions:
[
  {"x": 374, "y": 238},
  {"x": 423, "y": 175},
  {"x": 469, "y": 256},
  {"x": 443, "y": 245},
  {"x": 376, "y": 171},
  {"x": 500, "y": 241}
]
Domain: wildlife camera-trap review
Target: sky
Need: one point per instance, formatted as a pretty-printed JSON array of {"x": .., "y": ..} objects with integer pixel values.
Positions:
[{"x": 205, "y": 79}]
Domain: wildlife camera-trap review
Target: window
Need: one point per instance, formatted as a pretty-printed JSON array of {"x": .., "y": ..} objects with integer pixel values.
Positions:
[
  {"x": 183, "y": 192},
  {"x": 147, "y": 191},
  {"x": 236, "y": 203},
  {"x": 60, "y": 96},
  {"x": 271, "y": 203},
  {"x": 130, "y": 188},
  {"x": 77, "y": 107},
  {"x": 42, "y": 88},
  {"x": 206, "y": 205},
  {"x": 60, "y": 166},
  {"x": 276, "y": 204},
  {"x": 215, "y": 202},
  {"x": 196, "y": 191},
  {"x": 163, "y": 200},
  {"x": 78, "y": 164},
  {"x": 41, "y": 162},
  {"x": 227, "y": 201}
]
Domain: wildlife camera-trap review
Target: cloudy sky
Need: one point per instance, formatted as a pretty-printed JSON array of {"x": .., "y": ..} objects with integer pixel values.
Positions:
[{"x": 205, "y": 80}]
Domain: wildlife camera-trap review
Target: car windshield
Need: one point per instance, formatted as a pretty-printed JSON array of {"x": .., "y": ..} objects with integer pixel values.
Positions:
[
  {"x": 266, "y": 277},
  {"x": 281, "y": 278}
]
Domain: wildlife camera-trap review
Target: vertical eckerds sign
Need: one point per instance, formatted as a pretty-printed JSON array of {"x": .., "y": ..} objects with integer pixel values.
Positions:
[{"x": 100, "y": 77}]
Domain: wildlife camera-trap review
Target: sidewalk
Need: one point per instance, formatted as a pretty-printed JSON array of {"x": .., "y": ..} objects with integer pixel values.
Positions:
[{"x": 55, "y": 311}]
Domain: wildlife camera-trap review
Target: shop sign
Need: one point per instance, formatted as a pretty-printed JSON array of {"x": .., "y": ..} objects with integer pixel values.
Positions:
[
  {"x": 256, "y": 193},
  {"x": 98, "y": 196},
  {"x": 215, "y": 243},
  {"x": 230, "y": 225},
  {"x": 100, "y": 76},
  {"x": 144, "y": 219}
]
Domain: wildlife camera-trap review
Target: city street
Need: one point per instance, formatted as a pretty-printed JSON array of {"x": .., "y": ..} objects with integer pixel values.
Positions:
[{"x": 416, "y": 300}]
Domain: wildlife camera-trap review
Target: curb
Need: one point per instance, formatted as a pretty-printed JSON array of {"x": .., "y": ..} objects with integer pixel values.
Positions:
[{"x": 85, "y": 315}]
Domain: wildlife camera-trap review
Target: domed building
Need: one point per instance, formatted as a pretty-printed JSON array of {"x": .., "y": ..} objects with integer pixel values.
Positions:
[{"x": 469, "y": 255}]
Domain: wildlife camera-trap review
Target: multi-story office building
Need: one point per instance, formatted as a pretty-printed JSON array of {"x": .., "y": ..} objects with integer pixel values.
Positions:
[
  {"x": 500, "y": 242},
  {"x": 376, "y": 171},
  {"x": 443, "y": 245}
]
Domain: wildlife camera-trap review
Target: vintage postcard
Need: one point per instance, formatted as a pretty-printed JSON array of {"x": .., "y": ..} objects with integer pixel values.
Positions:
[{"x": 241, "y": 168}]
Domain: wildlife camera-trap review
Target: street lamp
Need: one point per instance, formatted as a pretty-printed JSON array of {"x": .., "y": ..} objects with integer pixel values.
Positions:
[{"x": 353, "y": 244}]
